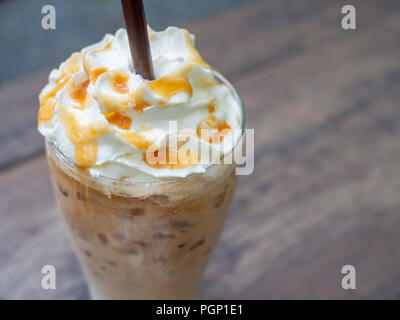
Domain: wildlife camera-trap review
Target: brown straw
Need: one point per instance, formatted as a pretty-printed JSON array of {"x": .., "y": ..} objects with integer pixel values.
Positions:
[{"x": 136, "y": 26}]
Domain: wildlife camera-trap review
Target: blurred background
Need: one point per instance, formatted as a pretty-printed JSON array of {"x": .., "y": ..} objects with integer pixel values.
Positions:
[
  {"x": 80, "y": 23},
  {"x": 324, "y": 103}
]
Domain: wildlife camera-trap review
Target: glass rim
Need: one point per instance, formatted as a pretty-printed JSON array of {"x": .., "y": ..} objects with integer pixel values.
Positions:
[{"x": 107, "y": 180}]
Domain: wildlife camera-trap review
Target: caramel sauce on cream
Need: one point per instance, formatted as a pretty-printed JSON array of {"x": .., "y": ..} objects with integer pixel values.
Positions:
[
  {"x": 119, "y": 120},
  {"x": 86, "y": 154},
  {"x": 211, "y": 107},
  {"x": 46, "y": 100},
  {"x": 172, "y": 84},
  {"x": 140, "y": 104},
  {"x": 107, "y": 47},
  {"x": 138, "y": 101},
  {"x": 46, "y": 110},
  {"x": 79, "y": 93},
  {"x": 95, "y": 73},
  {"x": 212, "y": 130},
  {"x": 119, "y": 82},
  {"x": 136, "y": 139},
  {"x": 82, "y": 137},
  {"x": 194, "y": 55},
  {"x": 167, "y": 158},
  {"x": 166, "y": 87}
]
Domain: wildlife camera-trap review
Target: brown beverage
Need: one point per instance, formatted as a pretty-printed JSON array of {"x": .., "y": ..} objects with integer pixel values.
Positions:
[
  {"x": 143, "y": 242},
  {"x": 139, "y": 238}
]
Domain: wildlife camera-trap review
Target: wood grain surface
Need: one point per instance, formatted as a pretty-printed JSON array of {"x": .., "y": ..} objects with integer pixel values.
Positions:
[{"x": 324, "y": 103}]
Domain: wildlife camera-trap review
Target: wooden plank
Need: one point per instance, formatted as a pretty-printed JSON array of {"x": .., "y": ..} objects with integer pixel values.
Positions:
[
  {"x": 33, "y": 235},
  {"x": 242, "y": 41},
  {"x": 325, "y": 190},
  {"x": 324, "y": 194},
  {"x": 18, "y": 134},
  {"x": 272, "y": 32}
]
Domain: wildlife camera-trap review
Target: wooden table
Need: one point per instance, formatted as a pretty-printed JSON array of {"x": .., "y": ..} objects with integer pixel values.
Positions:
[{"x": 324, "y": 103}]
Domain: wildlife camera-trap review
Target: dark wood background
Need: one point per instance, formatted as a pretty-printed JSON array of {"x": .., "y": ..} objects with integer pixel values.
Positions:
[{"x": 324, "y": 103}]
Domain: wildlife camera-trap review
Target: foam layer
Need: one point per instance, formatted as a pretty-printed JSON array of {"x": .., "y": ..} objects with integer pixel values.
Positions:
[{"x": 106, "y": 118}]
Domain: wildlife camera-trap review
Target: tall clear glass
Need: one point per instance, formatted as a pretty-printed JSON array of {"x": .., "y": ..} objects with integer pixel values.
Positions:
[{"x": 143, "y": 240}]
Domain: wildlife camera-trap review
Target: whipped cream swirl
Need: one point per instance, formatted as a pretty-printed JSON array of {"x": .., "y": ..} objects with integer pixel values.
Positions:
[{"x": 104, "y": 117}]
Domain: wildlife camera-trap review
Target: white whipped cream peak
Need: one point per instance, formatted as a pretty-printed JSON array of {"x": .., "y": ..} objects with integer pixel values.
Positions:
[{"x": 104, "y": 117}]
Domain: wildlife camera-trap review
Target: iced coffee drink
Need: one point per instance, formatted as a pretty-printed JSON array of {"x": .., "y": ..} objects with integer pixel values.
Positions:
[{"x": 144, "y": 204}]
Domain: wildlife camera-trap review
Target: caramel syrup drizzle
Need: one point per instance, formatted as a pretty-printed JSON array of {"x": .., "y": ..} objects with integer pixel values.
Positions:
[
  {"x": 212, "y": 130},
  {"x": 119, "y": 120},
  {"x": 167, "y": 158},
  {"x": 47, "y": 100},
  {"x": 84, "y": 137}
]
